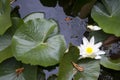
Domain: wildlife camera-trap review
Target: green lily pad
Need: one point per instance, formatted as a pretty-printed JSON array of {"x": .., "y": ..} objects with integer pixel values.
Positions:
[
  {"x": 38, "y": 42},
  {"x": 109, "y": 63},
  {"x": 6, "y": 53},
  {"x": 91, "y": 70},
  {"x": 33, "y": 16},
  {"x": 5, "y": 21},
  {"x": 8, "y": 71},
  {"x": 5, "y": 40},
  {"x": 100, "y": 36},
  {"x": 107, "y": 15},
  {"x": 66, "y": 71}
]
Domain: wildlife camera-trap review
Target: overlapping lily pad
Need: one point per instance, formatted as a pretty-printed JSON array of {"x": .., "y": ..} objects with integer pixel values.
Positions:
[
  {"x": 5, "y": 21},
  {"x": 109, "y": 63},
  {"x": 33, "y": 16},
  {"x": 66, "y": 71},
  {"x": 91, "y": 70},
  {"x": 5, "y": 40},
  {"x": 38, "y": 42},
  {"x": 107, "y": 14},
  {"x": 8, "y": 71}
]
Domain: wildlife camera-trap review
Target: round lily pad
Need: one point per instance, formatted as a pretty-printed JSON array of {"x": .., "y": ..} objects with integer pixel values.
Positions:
[{"x": 38, "y": 42}]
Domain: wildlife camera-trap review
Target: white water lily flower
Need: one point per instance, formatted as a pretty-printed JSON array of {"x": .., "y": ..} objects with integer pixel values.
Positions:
[
  {"x": 90, "y": 49},
  {"x": 94, "y": 28}
]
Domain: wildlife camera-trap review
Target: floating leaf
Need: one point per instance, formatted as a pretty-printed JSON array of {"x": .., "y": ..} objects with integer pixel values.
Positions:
[
  {"x": 100, "y": 36},
  {"x": 109, "y": 63},
  {"x": 66, "y": 71},
  {"x": 38, "y": 42},
  {"x": 5, "y": 40},
  {"x": 33, "y": 16},
  {"x": 107, "y": 15},
  {"x": 5, "y": 21},
  {"x": 8, "y": 71},
  {"x": 6, "y": 53},
  {"x": 91, "y": 70}
]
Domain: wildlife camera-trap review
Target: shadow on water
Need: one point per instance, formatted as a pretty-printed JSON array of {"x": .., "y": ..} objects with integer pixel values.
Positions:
[
  {"x": 72, "y": 29},
  {"x": 113, "y": 53},
  {"x": 108, "y": 74}
]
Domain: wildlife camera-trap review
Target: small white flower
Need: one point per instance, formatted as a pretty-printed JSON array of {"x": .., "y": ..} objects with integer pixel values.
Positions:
[
  {"x": 94, "y": 28},
  {"x": 90, "y": 49}
]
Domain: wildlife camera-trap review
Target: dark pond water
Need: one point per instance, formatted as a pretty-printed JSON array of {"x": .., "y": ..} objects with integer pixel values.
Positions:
[{"x": 72, "y": 30}]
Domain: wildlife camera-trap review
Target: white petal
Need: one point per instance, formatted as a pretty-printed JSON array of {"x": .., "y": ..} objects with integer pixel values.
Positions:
[
  {"x": 98, "y": 45},
  {"x": 94, "y": 28},
  {"x": 101, "y": 52},
  {"x": 92, "y": 40},
  {"x": 98, "y": 57},
  {"x": 82, "y": 47},
  {"x": 78, "y": 47},
  {"x": 90, "y": 27},
  {"x": 96, "y": 50},
  {"x": 84, "y": 56},
  {"x": 85, "y": 41},
  {"x": 82, "y": 52},
  {"x": 97, "y": 28}
]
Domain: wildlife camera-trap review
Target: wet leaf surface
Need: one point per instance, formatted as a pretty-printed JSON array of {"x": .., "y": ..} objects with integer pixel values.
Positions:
[
  {"x": 106, "y": 14},
  {"x": 38, "y": 42},
  {"x": 91, "y": 70},
  {"x": 56, "y": 12},
  {"x": 109, "y": 63},
  {"x": 8, "y": 71},
  {"x": 66, "y": 71},
  {"x": 5, "y": 40},
  {"x": 5, "y": 20}
]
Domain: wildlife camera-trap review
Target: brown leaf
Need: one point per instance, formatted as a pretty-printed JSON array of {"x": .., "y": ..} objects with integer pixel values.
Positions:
[
  {"x": 79, "y": 68},
  {"x": 19, "y": 71}
]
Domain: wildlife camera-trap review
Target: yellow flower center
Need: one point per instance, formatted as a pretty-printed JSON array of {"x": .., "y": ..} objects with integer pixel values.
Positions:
[{"x": 89, "y": 50}]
